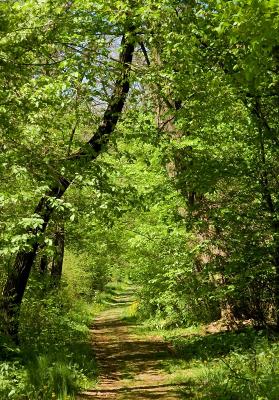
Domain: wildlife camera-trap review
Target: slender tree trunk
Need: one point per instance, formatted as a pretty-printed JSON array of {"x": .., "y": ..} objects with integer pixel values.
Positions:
[
  {"x": 18, "y": 277},
  {"x": 58, "y": 257},
  {"x": 44, "y": 260},
  {"x": 276, "y": 283},
  {"x": 43, "y": 264},
  {"x": 267, "y": 198},
  {"x": 275, "y": 229}
]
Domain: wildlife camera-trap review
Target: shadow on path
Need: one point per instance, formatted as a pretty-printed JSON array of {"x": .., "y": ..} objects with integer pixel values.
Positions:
[{"x": 130, "y": 364}]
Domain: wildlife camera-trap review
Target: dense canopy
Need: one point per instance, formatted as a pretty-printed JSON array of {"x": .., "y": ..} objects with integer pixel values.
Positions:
[{"x": 139, "y": 144}]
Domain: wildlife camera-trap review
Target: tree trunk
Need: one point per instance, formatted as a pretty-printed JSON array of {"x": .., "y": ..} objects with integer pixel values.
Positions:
[
  {"x": 18, "y": 277},
  {"x": 276, "y": 283},
  {"x": 43, "y": 264},
  {"x": 57, "y": 262},
  {"x": 267, "y": 198}
]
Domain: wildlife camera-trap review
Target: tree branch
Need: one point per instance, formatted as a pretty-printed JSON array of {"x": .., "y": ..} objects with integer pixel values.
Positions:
[{"x": 15, "y": 285}]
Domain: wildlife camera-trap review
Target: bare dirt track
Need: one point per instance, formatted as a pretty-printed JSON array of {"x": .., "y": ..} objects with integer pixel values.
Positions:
[{"x": 131, "y": 364}]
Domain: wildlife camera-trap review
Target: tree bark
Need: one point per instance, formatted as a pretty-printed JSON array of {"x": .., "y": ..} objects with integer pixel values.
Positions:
[
  {"x": 267, "y": 198},
  {"x": 15, "y": 285},
  {"x": 58, "y": 257},
  {"x": 18, "y": 277},
  {"x": 43, "y": 264}
]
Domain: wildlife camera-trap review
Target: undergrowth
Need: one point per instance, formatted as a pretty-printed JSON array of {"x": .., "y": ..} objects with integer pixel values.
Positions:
[
  {"x": 55, "y": 359},
  {"x": 231, "y": 365},
  {"x": 248, "y": 374},
  {"x": 226, "y": 365}
]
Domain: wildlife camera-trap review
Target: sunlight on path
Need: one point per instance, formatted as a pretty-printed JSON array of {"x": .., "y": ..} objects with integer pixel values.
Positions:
[{"x": 130, "y": 364}]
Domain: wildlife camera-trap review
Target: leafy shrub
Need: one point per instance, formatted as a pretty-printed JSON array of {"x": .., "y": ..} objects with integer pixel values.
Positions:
[
  {"x": 55, "y": 359},
  {"x": 225, "y": 365},
  {"x": 13, "y": 378},
  {"x": 251, "y": 375}
]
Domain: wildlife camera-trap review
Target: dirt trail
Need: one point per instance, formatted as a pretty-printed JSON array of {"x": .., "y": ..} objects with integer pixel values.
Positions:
[{"x": 130, "y": 364}]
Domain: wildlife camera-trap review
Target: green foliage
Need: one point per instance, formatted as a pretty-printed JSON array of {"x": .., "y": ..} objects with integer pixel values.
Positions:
[
  {"x": 223, "y": 365},
  {"x": 86, "y": 275},
  {"x": 13, "y": 379},
  {"x": 250, "y": 375},
  {"x": 182, "y": 202},
  {"x": 55, "y": 359},
  {"x": 47, "y": 379}
]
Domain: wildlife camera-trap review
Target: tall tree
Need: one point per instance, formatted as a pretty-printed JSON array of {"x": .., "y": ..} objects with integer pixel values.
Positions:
[{"x": 18, "y": 276}]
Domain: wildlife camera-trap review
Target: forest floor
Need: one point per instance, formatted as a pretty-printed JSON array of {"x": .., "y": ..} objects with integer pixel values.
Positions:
[
  {"x": 131, "y": 364},
  {"x": 137, "y": 360}
]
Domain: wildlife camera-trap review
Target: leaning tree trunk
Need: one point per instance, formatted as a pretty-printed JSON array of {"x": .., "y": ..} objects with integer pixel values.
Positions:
[
  {"x": 18, "y": 277},
  {"x": 58, "y": 257}
]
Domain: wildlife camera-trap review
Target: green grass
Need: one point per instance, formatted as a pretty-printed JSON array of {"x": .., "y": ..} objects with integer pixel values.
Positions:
[
  {"x": 223, "y": 365},
  {"x": 55, "y": 359},
  {"x": 227, "y": 365}
]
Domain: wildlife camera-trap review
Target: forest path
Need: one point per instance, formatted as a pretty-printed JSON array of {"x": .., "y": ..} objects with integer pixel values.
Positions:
[{"x": 130, "y": 363}]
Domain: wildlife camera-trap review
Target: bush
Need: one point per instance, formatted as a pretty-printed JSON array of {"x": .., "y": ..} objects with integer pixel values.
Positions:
[
  {"x": 251, "y": 375},
  {"x": 55, "y": 359}
]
